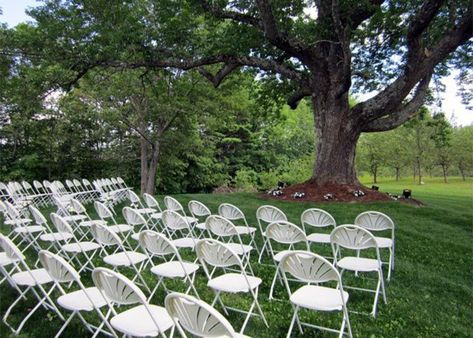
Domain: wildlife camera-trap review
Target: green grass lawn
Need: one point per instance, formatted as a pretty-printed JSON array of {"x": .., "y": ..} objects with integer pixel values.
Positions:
[{"x": 430, "y": 294}]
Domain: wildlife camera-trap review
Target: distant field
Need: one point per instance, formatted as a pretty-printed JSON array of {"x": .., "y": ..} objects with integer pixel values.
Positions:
[{"x": 430, "y": 295}]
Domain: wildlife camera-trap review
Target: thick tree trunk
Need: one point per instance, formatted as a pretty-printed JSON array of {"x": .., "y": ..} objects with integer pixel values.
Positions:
[
  {"x": 375, "y": 175},
  {"x": 397, "y": 174},
  {"x": 336, "y": 138}
]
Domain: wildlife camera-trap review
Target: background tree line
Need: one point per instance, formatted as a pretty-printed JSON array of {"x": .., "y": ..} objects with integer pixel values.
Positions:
[{"x": 169, "y": 131}]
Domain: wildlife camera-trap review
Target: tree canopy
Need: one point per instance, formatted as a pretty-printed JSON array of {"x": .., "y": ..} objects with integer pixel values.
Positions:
[{"x": 317, "y": 49}]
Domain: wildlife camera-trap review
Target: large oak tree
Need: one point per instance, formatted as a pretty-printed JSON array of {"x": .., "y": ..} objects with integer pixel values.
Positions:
[{"x": 319, "y": 49}]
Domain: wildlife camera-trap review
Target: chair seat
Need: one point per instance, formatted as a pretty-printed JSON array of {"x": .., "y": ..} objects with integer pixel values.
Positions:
[
  {"x": 56, "y": 236},
  {"x": 319, "y": 238},
  {"x": 190, "y": 219},
  {"x": 31, "y": 229},
  {"x": 17, "y": 221},
  {"x": 89, "y": 223},
  {"x": 36, "y": 277},
  {"x": 80, "y": 247},
  {"x": 146, "y": 210},
  {"x": 319, "y": 298},
  {"x": 186, "y": 242},
  {"x": 384, "y": 242},
  {"x": 125, "y": 258},
  {"x": 358, "y": 264},
  {"x": 174, "y": 269},
  {"x": 74, "y": 218},
  {"x": 137, "y": 321},
  {"x": 280, "y": 255},
  {"x": 82, "y": 300},
  {"x": 244, "y": 230},
  {"x": 239, "y": 249},
  {"x": 200, "y": 226},
  {"x": 157, "y": 215},
  {"x": 234, "y": 282},
  {"x": 120, "y": 228},
  {"x": 5, "y": 260}
]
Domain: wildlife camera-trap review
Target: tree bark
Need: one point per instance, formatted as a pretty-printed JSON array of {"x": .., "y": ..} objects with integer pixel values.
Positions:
[
  {"x": 397, "y": 174},
  {"x": 444, "y": 169},
  {"x": 462, "y": 170},
  {"x": 144, "y": 144},
  {"x": 336, "y": 138},
  {"x": 152, "y": 169}
]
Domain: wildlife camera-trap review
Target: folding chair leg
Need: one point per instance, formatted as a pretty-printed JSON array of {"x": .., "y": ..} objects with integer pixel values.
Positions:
[
  {"x": 391, "y": 264},
  {"x": 250, "y": 311},
  {"x": 262, "y": 251},
  {"x": 63, "y": 327},
  {"x": 293, "y": 320},
  {"x": 276, "y": 275},
  {"x": 255, "y": 298},
  {"x": 348, "y": 325},
  {"x": 217, "y": 298}
]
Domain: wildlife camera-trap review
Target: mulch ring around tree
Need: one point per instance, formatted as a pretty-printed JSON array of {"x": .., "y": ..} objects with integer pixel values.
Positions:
[{"x": 311, "y": 192}]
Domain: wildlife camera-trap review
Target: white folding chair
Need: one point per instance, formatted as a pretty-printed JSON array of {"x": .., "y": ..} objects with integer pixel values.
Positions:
[
  {"x": 287, "y": 234},
  {"x": 34, "y": 280},
  {"x": 143, "y": 320},
  {"x": 353, "y": 237},
  {"x": 152, "y": 203},
  {"x": 22, "y": 228},
  {"x": 120, "y": 257},
  {"x": 217, "y": 255},
  {"x": 82, "y": 300},
  {"x": 311, "y": 268},
  {"x": 224, "y": 230},
  {"x": 175, "y": 224},
  {"x": 265, "y": 215},
  {"x": 86, "y": 222},
  {"x": 234, "y": 214},
  {"x": 135, "y": 220},
  {"x": 174, "y": 267},
  {"x": 197, "y": 210},
  {"x": 198, "y": 318},
  {"x": 74, "y": 247},
  {"x": 107, "y": 216},
  {"x": 172, "y": 204},
  {"x": 137, "y": 205},
  {"x": 319, "y": 219},
  {"x": 377, "y": 221}
]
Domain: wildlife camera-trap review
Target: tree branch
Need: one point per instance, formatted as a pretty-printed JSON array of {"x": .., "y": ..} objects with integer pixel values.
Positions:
[
  {"x": 187, "y": 64},
  {"x": 362, "y": 12},
  {"x": 386, "y": 101},
  {"x": 221, "y": 74},
  {"x": 406, "y": 111},
  {"x": 297, "y": 96},
  {"x": 275, "y": 36},
  {"x": 225, "y": 14}
]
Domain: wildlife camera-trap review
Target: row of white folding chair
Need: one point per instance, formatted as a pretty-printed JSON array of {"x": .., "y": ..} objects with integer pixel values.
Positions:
[
  {"x": 112, "y": 190},
  {"x": 317, "y": 218},
  {"x": 12, "y": 192},
  {"x": 209, "y": 254},
  {"x": 346, "y": 236},
  {"x": 182, "y": 311}
]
